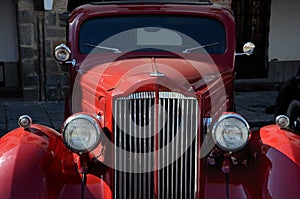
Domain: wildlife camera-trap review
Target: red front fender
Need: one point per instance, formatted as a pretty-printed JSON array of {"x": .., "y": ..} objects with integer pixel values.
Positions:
[
  {"x": 286, "y": 142},
  {"x": 273, "y": 171},
  {"x": 35, "y": 163},
  {"x": 284, "y": 155}
]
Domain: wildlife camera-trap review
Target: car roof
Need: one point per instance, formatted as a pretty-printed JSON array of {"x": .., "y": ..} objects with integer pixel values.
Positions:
[
  {"x": 125, "y": 7},
  {"x": 76, "y": 3},
  {"x": 205, "y": 2}
]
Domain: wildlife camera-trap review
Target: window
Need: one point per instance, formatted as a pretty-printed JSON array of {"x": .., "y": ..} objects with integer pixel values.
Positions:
[{"x": 156, "y": 32}]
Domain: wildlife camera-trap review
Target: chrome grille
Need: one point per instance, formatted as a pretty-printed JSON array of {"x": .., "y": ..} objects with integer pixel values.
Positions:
[{"x": 137, "y": 118}]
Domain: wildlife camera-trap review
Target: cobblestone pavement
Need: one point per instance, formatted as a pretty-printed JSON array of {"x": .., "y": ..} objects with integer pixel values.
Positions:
[
  {"x": 50, "y": 114},
  {"x": 250, "y": 105}
]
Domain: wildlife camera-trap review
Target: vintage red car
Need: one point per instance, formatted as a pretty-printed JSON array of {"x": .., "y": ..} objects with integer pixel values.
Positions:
[{"x": 150, "y": 114}]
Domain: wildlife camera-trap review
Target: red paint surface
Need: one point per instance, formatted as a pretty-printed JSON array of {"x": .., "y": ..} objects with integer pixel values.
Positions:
[
  {"x": 284, "y": 141},
  {"x": 35, "y": 163}
]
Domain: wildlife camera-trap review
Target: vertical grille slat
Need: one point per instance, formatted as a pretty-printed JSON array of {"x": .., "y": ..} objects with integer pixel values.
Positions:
[
  {"x": 187, "y": 129},
  {"x": 125, "y": 145},
  {"x": 130, "y": 155},
  {"x": 151, "y": 129},
  {"x": 134, "y": 192},
  {"x": 136, "y": 117},
  {"x": 173, "y": 149},
  {"x": 181, "y": 149},
  {"x": 177, "y": 152},
  {"x": 116, "y": 156},
  {"x": 169, "y": 138},
  {"x": 144, "y": 184},
  {"x": 194, "y": 129},
  {"x": 141, "y": 112}
]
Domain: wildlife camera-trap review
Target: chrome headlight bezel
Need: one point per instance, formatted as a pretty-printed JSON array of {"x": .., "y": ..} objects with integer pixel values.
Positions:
[
  {"x": 231, "y": 132},
  {"x": 81, "y": 133},
  {"x": 25, "y": 121},
  {"x": 282, "y": 121}
]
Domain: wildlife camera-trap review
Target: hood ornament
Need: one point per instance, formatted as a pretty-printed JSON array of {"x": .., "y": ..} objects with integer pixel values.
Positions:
[{"x": 156, "y": 74}]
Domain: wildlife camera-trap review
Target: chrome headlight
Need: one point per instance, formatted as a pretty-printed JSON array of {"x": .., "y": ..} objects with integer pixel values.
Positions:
[
  {"x": 25, "y": 121},
  {"x": 62, "y": 53},
  {"x": 81, "y": 133},
  {"x": 282, "y": 121},
  {"x": 231, "y": 132}
]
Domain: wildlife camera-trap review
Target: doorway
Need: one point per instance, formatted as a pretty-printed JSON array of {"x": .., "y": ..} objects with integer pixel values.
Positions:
[
  {"x": 252, "y": 18},
  {"x": 9, "y": 56}
]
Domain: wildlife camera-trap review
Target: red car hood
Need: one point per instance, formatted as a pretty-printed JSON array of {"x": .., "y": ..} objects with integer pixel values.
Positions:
[
  {"x": 122, "y": 77},
  {"x": 127, "y": 75}
]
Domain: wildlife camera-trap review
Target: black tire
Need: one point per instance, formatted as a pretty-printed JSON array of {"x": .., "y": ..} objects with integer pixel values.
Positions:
[{"x": 293, "y": 112}]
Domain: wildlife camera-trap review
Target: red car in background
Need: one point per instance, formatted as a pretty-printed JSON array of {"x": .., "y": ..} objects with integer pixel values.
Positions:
[{"x": 150, "y": 114}]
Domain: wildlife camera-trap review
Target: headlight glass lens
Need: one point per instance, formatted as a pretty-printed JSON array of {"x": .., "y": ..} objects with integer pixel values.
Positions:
[
  {"x": 231, "y": 132},
  {"x": 81, "y": 133}
]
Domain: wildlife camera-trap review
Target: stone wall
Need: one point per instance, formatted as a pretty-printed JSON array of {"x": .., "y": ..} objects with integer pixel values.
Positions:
[
  {"x": 56, "y": 79},
  {"x": 27, "y": 22},
  {"x": 39, "y": 31},
  {"x": 226, "y": 3}
]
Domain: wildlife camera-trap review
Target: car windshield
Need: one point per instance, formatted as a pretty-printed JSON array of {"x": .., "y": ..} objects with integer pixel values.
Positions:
[{"x": 152, "y": 33}]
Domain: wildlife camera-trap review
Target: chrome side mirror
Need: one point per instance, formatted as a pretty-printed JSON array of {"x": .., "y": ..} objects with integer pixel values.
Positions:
[
  {"x": 62, "y": 53},
  {"x": 248, "y": 49}
]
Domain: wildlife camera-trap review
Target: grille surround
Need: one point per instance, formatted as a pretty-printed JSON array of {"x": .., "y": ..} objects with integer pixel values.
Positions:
[{"x": 158, "y": 156}]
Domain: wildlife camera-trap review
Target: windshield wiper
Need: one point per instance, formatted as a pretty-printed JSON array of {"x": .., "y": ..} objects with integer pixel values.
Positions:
[
  {"x": 188, "y": 50},
  {"x": 115, "y": 50}
]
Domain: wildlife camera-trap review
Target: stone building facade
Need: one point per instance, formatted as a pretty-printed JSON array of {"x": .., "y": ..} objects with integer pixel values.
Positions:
[
  {"x": 226, "y": 3},
  {"x": 40, "y": 77}
]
